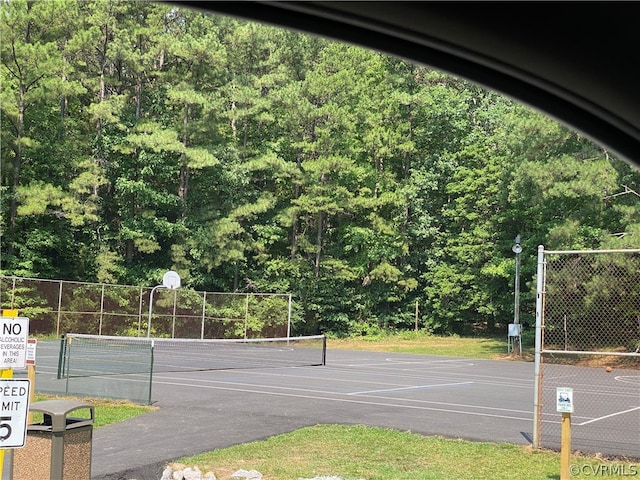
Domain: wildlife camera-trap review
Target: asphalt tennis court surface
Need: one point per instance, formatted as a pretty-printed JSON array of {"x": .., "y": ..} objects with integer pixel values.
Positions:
[{"x": 482, "y": 400}]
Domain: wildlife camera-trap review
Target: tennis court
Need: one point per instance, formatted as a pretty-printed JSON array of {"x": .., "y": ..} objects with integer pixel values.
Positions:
[{"x": 453, "y": 397}]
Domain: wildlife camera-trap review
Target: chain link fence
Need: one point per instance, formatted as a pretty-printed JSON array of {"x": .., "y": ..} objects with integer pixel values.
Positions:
[
  {"x": 55, "y": 307},
  {"x": 588, "y": 339}
]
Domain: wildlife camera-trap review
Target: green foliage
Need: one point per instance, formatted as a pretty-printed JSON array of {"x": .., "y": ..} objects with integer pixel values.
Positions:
[{"x": 139, "y": 137}]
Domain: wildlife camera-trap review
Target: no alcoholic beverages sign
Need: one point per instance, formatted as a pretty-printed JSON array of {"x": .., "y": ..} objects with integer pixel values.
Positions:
[{"x": 14, "y": 335}]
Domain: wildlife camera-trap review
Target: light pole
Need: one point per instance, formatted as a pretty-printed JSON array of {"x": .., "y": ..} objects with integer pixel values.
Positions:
[
  {"x": 170, "y": 280},
  {"x": 517, "y": 249},
  {"x": 516, "y": 329}
]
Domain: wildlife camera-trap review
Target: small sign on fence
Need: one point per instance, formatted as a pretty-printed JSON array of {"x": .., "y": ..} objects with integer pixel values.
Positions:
[
  {"x": 564, "y": 399},
  {"x": 31, "y": 351}
]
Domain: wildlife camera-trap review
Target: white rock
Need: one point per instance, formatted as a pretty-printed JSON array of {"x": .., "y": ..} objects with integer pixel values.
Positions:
[
  {"x": 166, "y": 474},
  {"x": 246, "y": 475},
  {"x": 321, "y": 478},
  {"x": 192, "y": 473}
]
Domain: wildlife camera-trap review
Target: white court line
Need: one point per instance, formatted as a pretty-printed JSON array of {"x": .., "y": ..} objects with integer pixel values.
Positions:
[
  {"x": 430, "y": 363},
  {"x": 600, "y": 391},
  {"x": 416, "y": 387},
  {"x": 389, "y": 372},
  {"x": 461, "y": 405},
  {"x": 352, "y": 381},
  {"x": 481, "y": 379},
  {"x": 608, "y": 416},
  {"x": 391, "y": 362},
  {"x": 430, "y": 402},
  {"x": 623, "y": 379},
  {"x": 348, "y": 400},
  {"x": 548, "y": 379},
  {"x": 349, "y": 381}
]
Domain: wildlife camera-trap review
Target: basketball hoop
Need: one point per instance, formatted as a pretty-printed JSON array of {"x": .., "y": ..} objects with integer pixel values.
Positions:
[{"x": 171, "y": 280}]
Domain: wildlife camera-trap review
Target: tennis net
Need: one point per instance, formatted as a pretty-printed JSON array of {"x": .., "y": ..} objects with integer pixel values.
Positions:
[{"x": 83, "y": 355}]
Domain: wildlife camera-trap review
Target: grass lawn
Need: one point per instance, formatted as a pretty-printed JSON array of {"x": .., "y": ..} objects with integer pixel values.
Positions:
[
  {"x": 360, "y": 452},
  {"x": 105, "y": 411},
  {"x": 426, "y": 344}
]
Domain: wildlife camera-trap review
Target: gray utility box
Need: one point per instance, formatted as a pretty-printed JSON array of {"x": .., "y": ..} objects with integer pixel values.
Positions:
[{"x": 59, "y": 448}]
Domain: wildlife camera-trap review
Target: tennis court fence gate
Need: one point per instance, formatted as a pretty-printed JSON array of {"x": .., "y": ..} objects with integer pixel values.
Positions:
[
  {"x": 55, "y": 307},
  {"x": 587, "y": 319}
]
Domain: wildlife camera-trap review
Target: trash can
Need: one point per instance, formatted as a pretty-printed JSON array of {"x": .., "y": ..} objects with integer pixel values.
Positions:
[{"x": 59, "y": 448}]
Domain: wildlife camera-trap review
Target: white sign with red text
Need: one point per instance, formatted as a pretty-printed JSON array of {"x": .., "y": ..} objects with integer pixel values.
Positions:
[{"x": 31, "y": 351}]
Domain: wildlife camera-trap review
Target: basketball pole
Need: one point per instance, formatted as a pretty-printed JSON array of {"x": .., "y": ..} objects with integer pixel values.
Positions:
[{"x": 151, "y": 308}]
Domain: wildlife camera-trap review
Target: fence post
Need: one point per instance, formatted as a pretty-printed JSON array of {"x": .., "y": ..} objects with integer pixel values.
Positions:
[
  {"x": 59, "y": 310},
  {"x": 13, "y": 292},
  {"x": 101, "y": 310},
  {"x": 140, "y": 311},
  {"x": 289, "y": 318},
  {"x": 204, "y": 311},
  {"x": 537, "y": 391},
  {"x": 246, "y": 316}
]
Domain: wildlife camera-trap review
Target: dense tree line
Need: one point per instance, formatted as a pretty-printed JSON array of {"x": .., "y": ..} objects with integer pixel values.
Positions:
[{"x": 139, "y": 137}]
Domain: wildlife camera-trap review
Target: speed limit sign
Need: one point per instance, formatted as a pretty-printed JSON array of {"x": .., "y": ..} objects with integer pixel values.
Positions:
[{"x": 14, "y": 408}]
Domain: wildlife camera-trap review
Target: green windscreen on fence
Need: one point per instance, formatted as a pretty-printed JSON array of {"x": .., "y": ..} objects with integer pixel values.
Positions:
[
  {"x": 114, "y": 369},
  {"x": 105, "y": 365}
]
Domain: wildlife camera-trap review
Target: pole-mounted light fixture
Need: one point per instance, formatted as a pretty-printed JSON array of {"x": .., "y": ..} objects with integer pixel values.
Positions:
[
  {"x": 516, "y": 329},
  {"x": 517, "y": 249}
]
